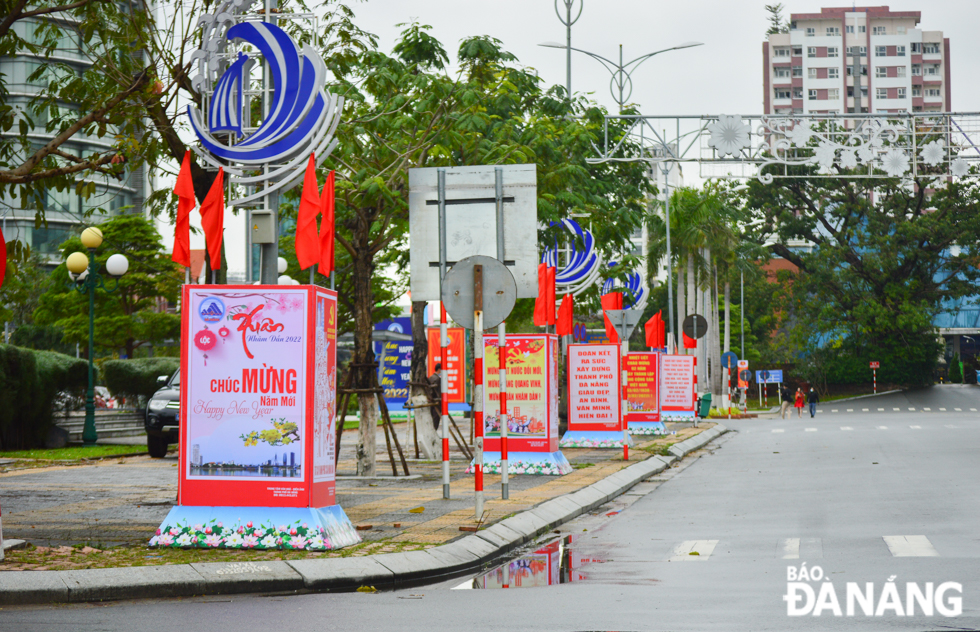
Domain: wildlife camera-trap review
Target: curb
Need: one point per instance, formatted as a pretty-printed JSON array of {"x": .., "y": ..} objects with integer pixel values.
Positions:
[
  {"x": 851, "y": 399},
  {"x": 384, "y": 572}
]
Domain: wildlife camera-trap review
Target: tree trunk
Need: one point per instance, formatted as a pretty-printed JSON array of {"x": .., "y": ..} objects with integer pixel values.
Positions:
[
  {"x": 692, "y": 291},
  {"x": 717, "y": 373},
  {"x": 365, "y": 377},
  {"x": 728, "y": 316},
  {"x": 681, "y": 304},
  {"x": 428, "y": 439}
]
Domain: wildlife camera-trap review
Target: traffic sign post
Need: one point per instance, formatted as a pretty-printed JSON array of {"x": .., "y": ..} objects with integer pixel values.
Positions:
[
  {"x": 874, "y": 374},
  {"x": 743, "y": 383},
  {"x": 729, "y": 360}
]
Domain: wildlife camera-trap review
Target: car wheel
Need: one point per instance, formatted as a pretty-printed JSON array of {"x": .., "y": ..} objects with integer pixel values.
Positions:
[{"x": 157, "y": 446}]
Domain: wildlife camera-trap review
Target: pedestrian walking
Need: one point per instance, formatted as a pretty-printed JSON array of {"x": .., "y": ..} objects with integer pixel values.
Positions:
[
  {"x": 435, "y": 394},
  {"x": 787, "y": 398},
  {"x": 812, "y": 398},
  {"x": 798, "y": 403}
]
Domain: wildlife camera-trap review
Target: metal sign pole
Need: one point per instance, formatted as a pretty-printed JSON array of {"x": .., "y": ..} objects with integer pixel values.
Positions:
[
  {"x": 502, "y": 341},
  {"x": 443, "y": 337},
  {"x": 625, "y": 349},
  {"x": 478, "y": 388}
]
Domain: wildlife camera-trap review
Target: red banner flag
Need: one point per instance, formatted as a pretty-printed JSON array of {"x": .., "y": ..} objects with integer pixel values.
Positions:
[
  {"x": 327, "y": 211},
  {"x": 541, "y": 302},
  {"x": 3, "y": 258},
  {"x": 307, "y": 242},
  {"x": 689, "y": 343},
  {"x": 566, "y": 316},
  {"x": 184, "y": 190},
  {"x": 655, "y": 331},
  {"x": 552, "y": 299},
  {"x": 613, "y": 300},
  {"x": 213, "y": 218}
]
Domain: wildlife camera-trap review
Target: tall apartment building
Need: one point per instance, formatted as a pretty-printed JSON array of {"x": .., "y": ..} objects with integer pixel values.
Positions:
[
  {"x": 856, "y": 60},
  {"x": 66, "y": 211}
]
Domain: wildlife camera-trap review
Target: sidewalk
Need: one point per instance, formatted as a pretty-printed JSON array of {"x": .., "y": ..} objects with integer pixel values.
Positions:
[{"x": 430, "y": 535}]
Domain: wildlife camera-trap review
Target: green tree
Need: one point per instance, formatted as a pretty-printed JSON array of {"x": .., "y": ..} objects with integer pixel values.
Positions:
[
  {"x": 130, "y": 317},
  {"x": 405, "y": 111},
  {"x": 955, "y": 370},
  {"x": 776, "y": 22},
  {"x": 878, "y": 271}
]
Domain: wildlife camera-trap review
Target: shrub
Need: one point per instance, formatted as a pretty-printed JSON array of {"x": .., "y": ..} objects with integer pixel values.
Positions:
[
  {"x": 136, "y": 380},
  {"x": 30, "y": 382},
  {"x": 955, "y": 371}
]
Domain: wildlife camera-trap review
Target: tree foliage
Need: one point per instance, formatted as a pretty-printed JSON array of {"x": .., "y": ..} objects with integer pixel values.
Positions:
[
  {"x": 887, "y": 254},
  {"x": 129, "y": 317}
]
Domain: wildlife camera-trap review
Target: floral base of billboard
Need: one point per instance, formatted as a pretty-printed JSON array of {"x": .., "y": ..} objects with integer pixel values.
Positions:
[
  {"x": 287, "y": 528},
  {"x": 535, "y": 463},
  {"x": 647, "y": 428},
  {"x": 593, "y": 439},
  {"x": 678, "y": 416}
]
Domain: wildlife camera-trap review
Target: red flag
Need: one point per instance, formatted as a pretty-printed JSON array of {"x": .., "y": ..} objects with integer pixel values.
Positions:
[
  {"x": 613, "y": 300},
  {"x": 655, "y": 331},
  {"x": 565, "y": 316},
  {"x": 307, "y": 242},
  {"x": 213, "y": 218},
  {"x": 184, "y": 190},
  {"x": 327, "y": 226},
  {"x": 541, "y": 302},
  {"x": 552, "y": 299},
  {"x": 689, "y": 343},
  {"x": 3, "y": 258}
]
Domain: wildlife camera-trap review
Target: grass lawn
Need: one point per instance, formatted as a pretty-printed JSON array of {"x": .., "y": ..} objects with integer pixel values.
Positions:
[{"x": 75, "y": 453}]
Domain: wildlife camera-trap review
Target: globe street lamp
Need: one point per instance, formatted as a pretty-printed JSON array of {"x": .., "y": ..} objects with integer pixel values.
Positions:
[
  {"x": 86, "y": 278},
  {"x": 621, "y": 82}
]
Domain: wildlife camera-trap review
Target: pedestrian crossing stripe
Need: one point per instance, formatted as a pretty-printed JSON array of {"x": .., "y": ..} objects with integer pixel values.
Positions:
[
  {"x": 693, "y": 551},
  {"x": 910, "y": 546},
  {"x": 916, "y": 427},
  {"x": 846, "y": 428},
  {"x": 882, "y": 427},
  {"x": 810, "y": 429},
  {"x": 778, "y": 430}
]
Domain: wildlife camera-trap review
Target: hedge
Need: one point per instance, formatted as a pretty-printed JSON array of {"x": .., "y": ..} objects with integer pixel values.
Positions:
[
  {"x": 137, "y": 379},
  {"x": 30, "y": 382}
]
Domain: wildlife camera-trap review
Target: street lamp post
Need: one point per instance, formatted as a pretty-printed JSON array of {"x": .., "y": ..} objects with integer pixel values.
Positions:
[
  {"x": 568, "y": 22},
  {"x": 87, "y": 279},
  {"x": 621, "y": 80}
]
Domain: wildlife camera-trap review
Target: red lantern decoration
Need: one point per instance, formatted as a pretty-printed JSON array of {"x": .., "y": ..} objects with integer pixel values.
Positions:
[
  {"x": 224, "y": 332},
  {"x": 205, "y": 340}
]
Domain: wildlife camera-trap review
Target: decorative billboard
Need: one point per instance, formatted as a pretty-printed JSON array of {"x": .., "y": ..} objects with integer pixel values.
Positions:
[
  {"x": 643, "y": 393},
  {"x": 258, "y": 402},
  {"x": 532, "y": 405},
  {"x": 594, "y": 397},
  {"x": 677, "y": 395},
  {"x": 455, "y": 360},
  {"x": 395, "y": 362}
]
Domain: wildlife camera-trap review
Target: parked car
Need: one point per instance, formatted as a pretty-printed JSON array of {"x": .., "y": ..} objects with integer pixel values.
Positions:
[{"x": 163, "y": 416}]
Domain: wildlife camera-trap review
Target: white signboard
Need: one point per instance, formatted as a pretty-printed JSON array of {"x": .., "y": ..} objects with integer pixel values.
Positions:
[{"x": 471, "y": 223}]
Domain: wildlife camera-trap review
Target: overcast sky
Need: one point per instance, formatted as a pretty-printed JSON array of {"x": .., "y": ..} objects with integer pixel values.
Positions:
[{"x": 722, "y": 77}]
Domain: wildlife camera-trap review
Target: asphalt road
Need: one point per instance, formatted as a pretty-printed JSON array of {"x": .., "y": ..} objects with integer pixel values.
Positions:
[{"x": 868, "y": 496}]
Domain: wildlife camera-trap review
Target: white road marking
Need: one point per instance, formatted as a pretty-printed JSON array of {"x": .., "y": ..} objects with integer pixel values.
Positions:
[
  {"x": 788, "y": 549},
  {"x": 882, "y": 427},
  {"x": 911, "y": 409},
  {"x": 810, "y": 429},
  {"x": 703, "y": 548},
  {"x": 973, "y": 409},
  {"x": 881, "y": 410},
  {"x": 916, "y": 427},
  {"x": 951, "y": 426},
  {"x": 834, "y": 410},
  {"x": 928, "y": 409},
  {"x": 778, "y": 430},
  {"x": 896, "y": 409},
  {"x": 910, "y": 546},
  {"x": 959, "y": 410},
  {"x": 846, "y": 428},
  {"x": 850, "y": 410},
  {"x": 864, "y": 410},
  {"x": 942, "y": 410},
  {"x": 820, "y": 410}
]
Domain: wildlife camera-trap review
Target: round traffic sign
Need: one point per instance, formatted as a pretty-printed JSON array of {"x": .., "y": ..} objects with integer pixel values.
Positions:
[
  {"x": 499, "y": 291},
  {"x": 729, "y": 360},
  {"x": 764, "y": 376},
  {"x": 744, "y": 375},
  {"x": 695, "y": 326}
]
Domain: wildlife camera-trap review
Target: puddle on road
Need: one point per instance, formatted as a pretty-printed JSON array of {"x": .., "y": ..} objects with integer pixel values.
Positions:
[{"x": 558, "y": 562}]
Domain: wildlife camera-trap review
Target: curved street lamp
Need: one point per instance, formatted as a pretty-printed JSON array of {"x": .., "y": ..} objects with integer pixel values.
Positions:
[
  {"x": 620, "y": 82},
  {"x": 86, "y": 277}
]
